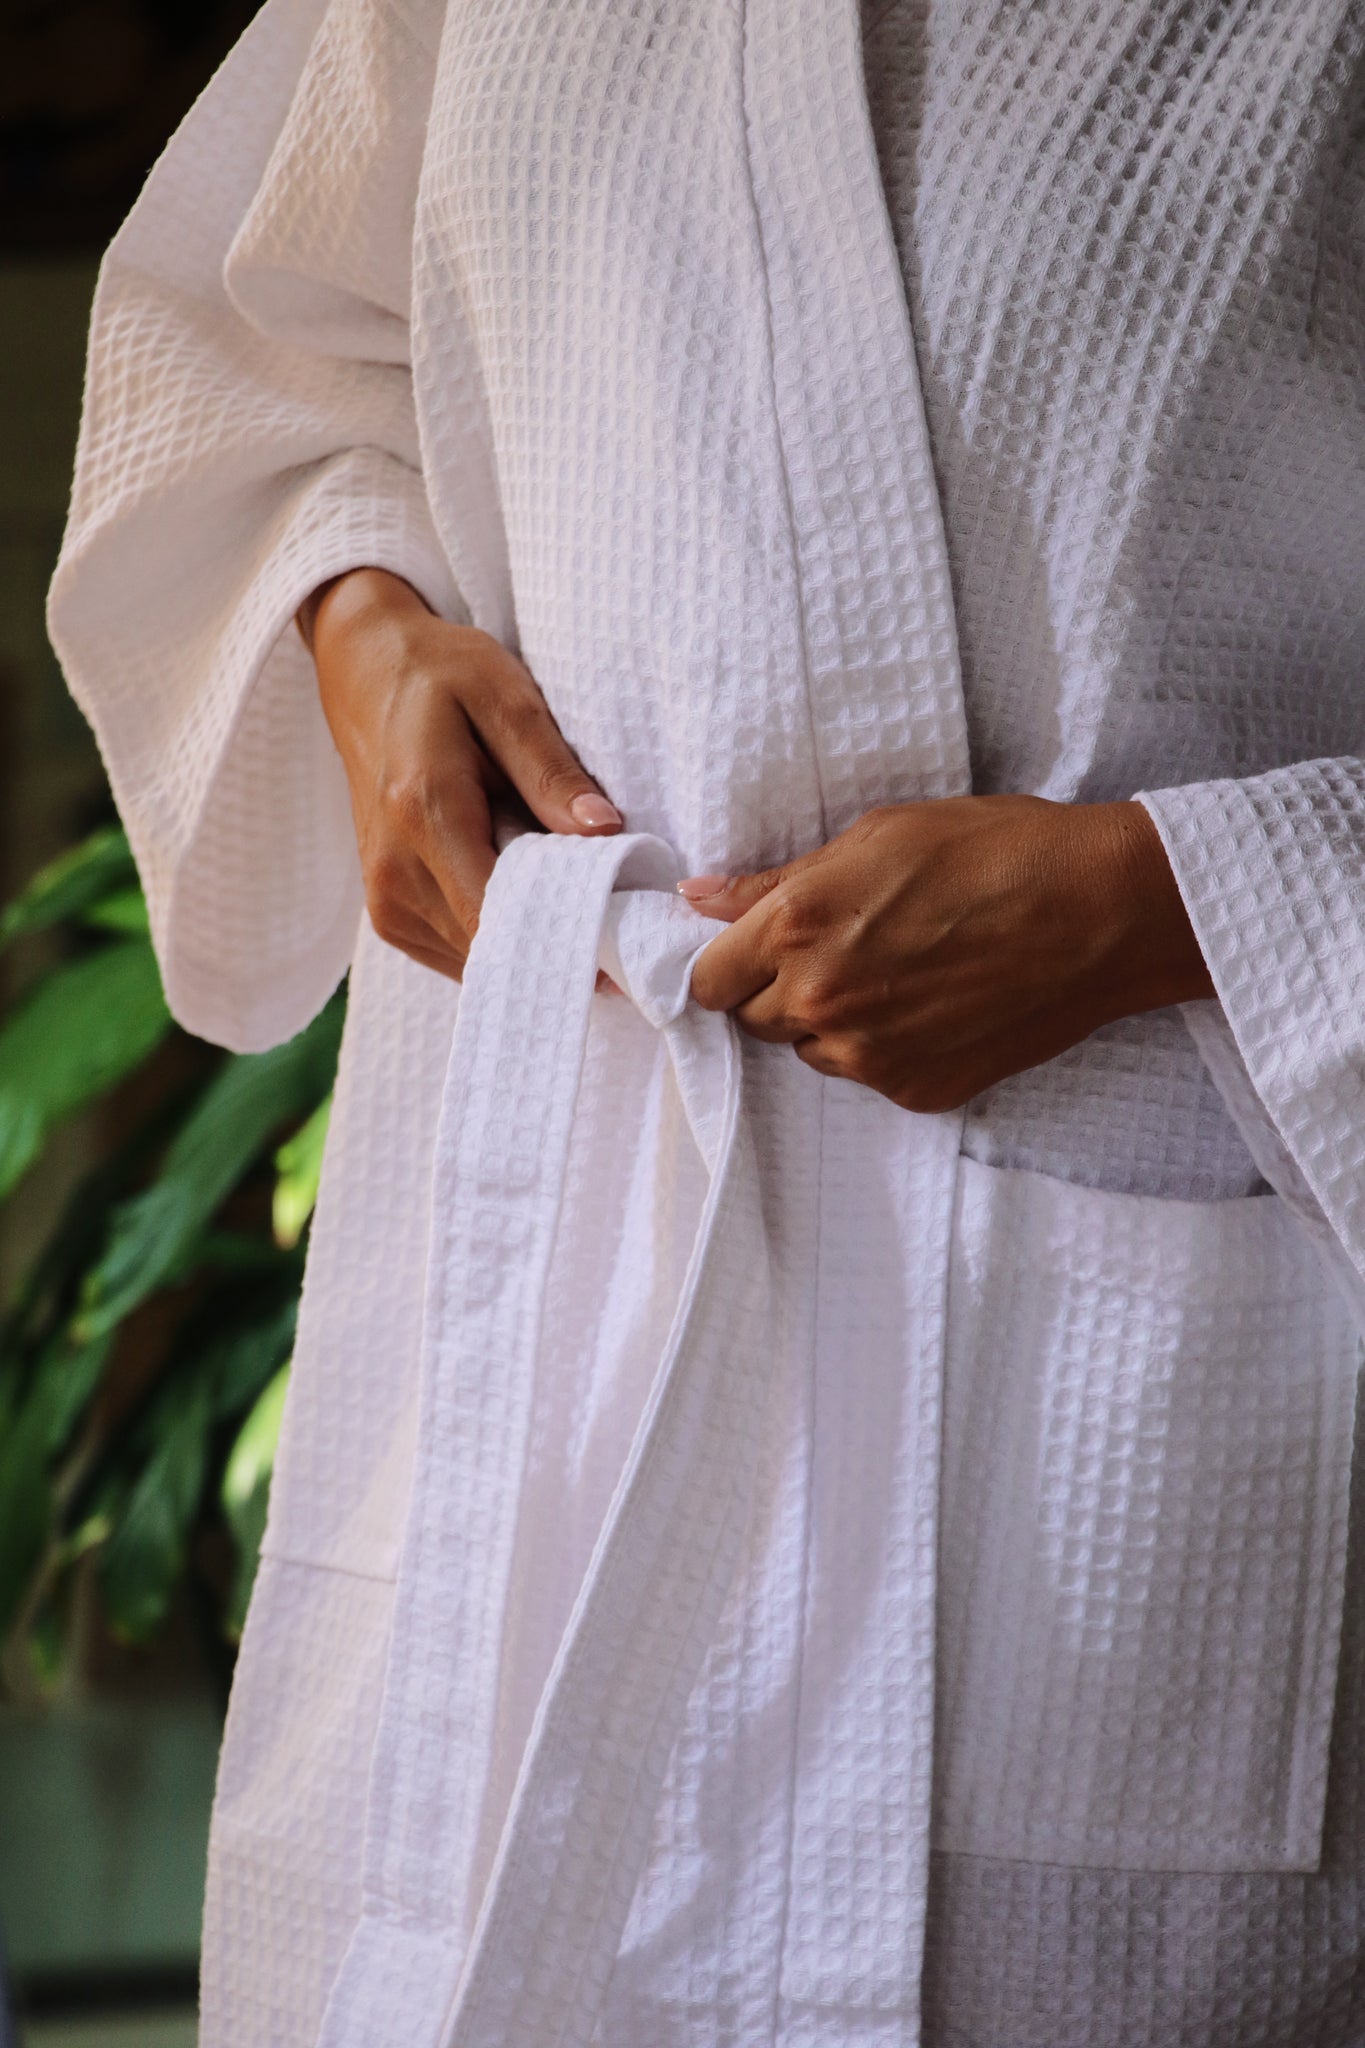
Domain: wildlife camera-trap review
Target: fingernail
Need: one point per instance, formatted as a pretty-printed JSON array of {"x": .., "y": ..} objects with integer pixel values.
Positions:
[
  {"x": 591, "y": 809},
  {"x": 698, "y": 887}
]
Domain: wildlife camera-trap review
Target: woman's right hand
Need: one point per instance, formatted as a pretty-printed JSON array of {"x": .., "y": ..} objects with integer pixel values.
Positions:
[{"x": 436, "y": 724}]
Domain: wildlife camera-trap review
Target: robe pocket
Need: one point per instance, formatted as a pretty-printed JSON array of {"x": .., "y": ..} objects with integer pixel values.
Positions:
[{"x": 1147, "y": 1461}]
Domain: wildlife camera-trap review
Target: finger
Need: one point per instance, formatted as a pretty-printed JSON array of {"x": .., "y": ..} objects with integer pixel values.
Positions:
[
  {"x": 444, "y": 962},
  {"x": 816, "y": 1054},
  {"x": 403, "y": 901},
  {"x": 729, "y": 896},
  {"x": 413, "y": 936},
  {"x": 765, "y": 1016},
  {"x": 518, "y": 728},
  {"x": 457, "y": 846},
  {"x": 431, "y": 908},
  {"x": 733, "y": 968}
]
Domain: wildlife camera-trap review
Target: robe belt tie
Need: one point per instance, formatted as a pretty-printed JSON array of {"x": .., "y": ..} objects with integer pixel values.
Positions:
[{"x": 547, "y": 1925}]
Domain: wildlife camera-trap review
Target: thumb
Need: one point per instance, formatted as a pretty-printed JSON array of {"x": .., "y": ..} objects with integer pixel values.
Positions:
[{"x": 729, "y": 896}]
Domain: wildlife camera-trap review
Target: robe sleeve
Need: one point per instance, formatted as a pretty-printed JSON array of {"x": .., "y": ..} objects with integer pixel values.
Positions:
[
  {"x": 248, "y": 431},
  {"x": 1272, "y": 871}
]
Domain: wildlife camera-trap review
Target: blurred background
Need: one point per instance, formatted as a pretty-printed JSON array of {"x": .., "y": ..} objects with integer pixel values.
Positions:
[{"x": 154, "y": 1193}]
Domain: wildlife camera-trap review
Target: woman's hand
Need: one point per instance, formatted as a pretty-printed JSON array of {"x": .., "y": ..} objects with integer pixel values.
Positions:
[
  {"x": 437, "y": 725},
  {"x": 934, "y": 948}
]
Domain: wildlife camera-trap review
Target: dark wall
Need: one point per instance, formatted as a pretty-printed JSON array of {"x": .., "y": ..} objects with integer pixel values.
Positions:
[{"x": 89, "y": 92}]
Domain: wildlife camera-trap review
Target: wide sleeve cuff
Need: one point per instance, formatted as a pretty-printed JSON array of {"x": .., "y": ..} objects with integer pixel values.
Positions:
[
  {"x": 234, "y": 796},
  {"x": 249, "y": 430},
  {"x": 1272, "y": 872}
]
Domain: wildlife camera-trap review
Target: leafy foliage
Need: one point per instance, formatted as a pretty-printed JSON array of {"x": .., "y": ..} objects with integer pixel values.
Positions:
[
  {"x": 144, "y": 1354},
  {"x": 246, "y": 1488},
  {"x": 96, "y": 872},
  {"x": 299, "y": 1165},
  {"x": 154, "y": 1235},
  {"x": 82, "y": 1029}
]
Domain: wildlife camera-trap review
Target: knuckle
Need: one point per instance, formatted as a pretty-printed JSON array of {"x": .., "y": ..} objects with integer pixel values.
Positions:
[
  {"x": 385, "y": 878},
  {"x": 858, "y": 1058},
  {"x": 385, "y": 919},
  {"x": 772, "y": 1030},
  {"x": 868, "y": 826},
  {"x": 850, "y": 1056},
  {"x": 473, "y": 664},
  {"x": 410, "y": 799},
  {"x": 793, "y": 922},
  {"x": 764, "y": 881},
  {"x": 822, "y": 998},
  {"x": 825, "y": 1057},
  {"x": 424, "y": 806},
  {"x": 487, "y": 667}
]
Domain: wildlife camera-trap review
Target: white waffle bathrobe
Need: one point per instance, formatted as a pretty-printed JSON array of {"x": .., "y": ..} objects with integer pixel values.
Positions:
[{"x": 707, "y": 1488}]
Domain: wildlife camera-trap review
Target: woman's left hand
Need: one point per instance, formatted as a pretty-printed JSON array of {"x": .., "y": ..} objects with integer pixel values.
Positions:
[{"x": 934, "y": 948}]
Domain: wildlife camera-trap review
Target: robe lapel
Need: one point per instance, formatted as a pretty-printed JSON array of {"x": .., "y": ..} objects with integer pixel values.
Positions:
[
  {"x": 885, "y": 682},
  {"x": 888, "y": 726}
]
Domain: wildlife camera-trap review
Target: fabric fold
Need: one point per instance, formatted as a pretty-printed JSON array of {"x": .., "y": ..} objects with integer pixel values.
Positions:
[{"x": 546, "y": 1924}]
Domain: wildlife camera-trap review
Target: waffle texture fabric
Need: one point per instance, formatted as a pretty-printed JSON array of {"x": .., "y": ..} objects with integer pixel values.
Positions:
[
  {"x": 743, "y": 1568},
  {"x": 1019, "y": 1952}
]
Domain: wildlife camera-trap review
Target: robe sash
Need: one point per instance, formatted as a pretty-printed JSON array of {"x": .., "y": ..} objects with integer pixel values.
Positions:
[{"x": 546, "y": 1928}]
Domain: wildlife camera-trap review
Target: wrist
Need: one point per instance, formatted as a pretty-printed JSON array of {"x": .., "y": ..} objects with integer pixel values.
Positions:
[
  {"x": 1156, "y": 952},
  {"x": 359, "y": 629},
  {"x": 352, "y": 599}
]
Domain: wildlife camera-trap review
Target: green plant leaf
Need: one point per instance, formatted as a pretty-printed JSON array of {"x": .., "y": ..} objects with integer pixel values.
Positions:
[
  {"x": 87, "y": 1535},
  {"x": 245, "y": 1359},
  {"x": 100, "y": 866},
  {"x": 299, "y": 1165},
  {"x": 80, "y": 1030},
  {"x": 236, "y": 1251},
  {"x": 246, "y": 1491},
  {"x": 223, "y": 1353},
  {"x": 46, "y": 1295},
  {"x": 29, "y": 1444},
  {"x": 62, "y": 1384},
  {"x": 155, "y": 1232},
  {"x": 29, "y": 1513},
  {"x": 31, "y": 1439},
  {"x": 224, "y": 1357},
  {"x": 48, "y": 1638},
  {"x": 145, "y": 1555},
  {"x": 123, "y": 911}
]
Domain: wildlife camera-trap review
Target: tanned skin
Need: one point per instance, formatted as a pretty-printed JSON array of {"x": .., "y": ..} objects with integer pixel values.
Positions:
[{"x": 927, "y": 952}]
